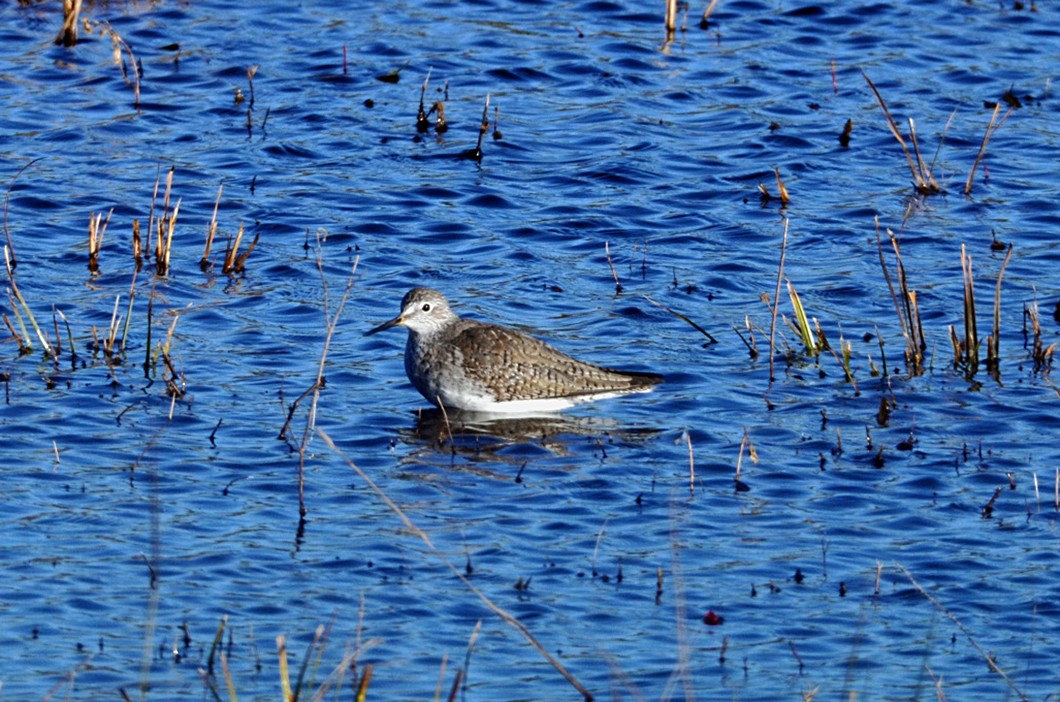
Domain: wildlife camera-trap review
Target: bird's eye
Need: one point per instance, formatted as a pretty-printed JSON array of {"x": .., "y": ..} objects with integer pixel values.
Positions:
[{"x": 426, "y": 307}]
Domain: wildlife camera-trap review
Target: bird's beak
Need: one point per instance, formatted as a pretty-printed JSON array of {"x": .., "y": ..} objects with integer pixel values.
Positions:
[{"x": 395, "y": 322}]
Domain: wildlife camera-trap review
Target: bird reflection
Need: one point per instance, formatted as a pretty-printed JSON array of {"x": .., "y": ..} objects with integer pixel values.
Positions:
[{"x": 483, "y": 435}]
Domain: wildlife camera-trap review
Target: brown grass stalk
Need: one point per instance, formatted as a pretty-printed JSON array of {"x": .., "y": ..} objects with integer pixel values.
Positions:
[
  {"x": 966, "y": 350},
  {"x": 137, "y": 244},
  {"x": 1042, "y": 355},
  {"x": 68, "y": 33},
  {"x": 781, "y": 188},
  {"x": 204, "y": 262},
  {"x": 235, "y": 262},
  {"x": 128, "y": 313},
  {"x": 23, "y": 347},
  {"x": 504, "y": 615},
  {"x": 991, "y": 127},
  {"x": 96, "y": 229},
  {"x": 706, "y": 14},
  {"x": 483, "y": 129},
  {"x": 112, "y": 330},
  {"x": 134, "y": 67}
]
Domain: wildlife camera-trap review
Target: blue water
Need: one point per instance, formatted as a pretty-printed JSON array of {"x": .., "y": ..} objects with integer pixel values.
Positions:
[{"x": 132, "y": 518}]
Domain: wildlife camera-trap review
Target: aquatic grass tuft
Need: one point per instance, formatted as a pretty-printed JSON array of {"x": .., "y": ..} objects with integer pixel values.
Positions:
[
  {"x": 923, "y": 181},
  {"x": 96, "y": 229},
  {"x": 905, "y": 306},
  {"x": 235, "y": 262},
  {"x": 966, "y": 351},
  {"x": 993, "y": 343},
  {"x": 25, "y": 308},
  {"x": 1041, "y": 355}
]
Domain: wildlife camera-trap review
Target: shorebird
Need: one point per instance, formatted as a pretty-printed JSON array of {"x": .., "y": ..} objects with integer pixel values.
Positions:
[{"x": 480, "y": 367}]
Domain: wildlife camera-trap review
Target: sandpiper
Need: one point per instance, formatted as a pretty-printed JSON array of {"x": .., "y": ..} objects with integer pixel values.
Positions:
[{"x": 481, "y": 367}]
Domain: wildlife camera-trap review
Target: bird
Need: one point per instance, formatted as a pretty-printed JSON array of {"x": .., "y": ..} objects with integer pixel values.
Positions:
[{"x": 464, "y": 364}]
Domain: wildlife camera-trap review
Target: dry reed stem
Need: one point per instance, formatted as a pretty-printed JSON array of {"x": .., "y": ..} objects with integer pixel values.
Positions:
[
  {"x": 441, "y": 678},
  {"x": 966, "y": 351},
  {"x": 18, "y": 296},
  {"x": 67, "y": 36},
  {"x": 781, "y": 188},
  {"x": 227, "y": 673},
  {"x": 706, "y": 14},
  {"x": 614, "y": 274},
  {"x": 112, "y": 330},
  {"x": 231, "y": 250},
  {"x": 120, "y": 44},
  {"x": 504, "y": 615},
  {"x": 163, "y": 262},
  {"x": 285, "y": 679},
  {"x": 1043, "y": 357},
  {"x": 128, "y": 313},
  {"x": 137, "y": 244},
  {"x": 993, "y": 342},
  {"x": 691, "y": 466},
  {"x": 483, "y": 129},
  {"x": 22, "y": 348},
  {"x": 211, "y": 232},
  {"x": 457, "y": 679},
  {"x": 158, "y": 231},
  {"x": 990, "y": 129},
  {"x": 776, "y": 304},
  {"x": 96, "y": 229},
  {"x": 251, "y": 71},
  {"x": 318, "y": 384},
  {"x": 471, "y": 641},
  {"x": 596, "y": 546},
  {"x": 73, "y": 352},
  {"x": 906, "y": 309},
  {"x": 682, "y": 317},
  {"x": 739, "y": 457},
  {"x": 990, "y": 662},
  {"x": 422, "y": 123}
]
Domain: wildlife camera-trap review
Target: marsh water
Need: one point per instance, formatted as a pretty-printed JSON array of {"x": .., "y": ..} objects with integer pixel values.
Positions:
[{"x": 885, "y": 553}]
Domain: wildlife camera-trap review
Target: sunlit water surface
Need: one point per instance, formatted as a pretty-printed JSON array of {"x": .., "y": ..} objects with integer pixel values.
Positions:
[{"x": 129, "y": 519}]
